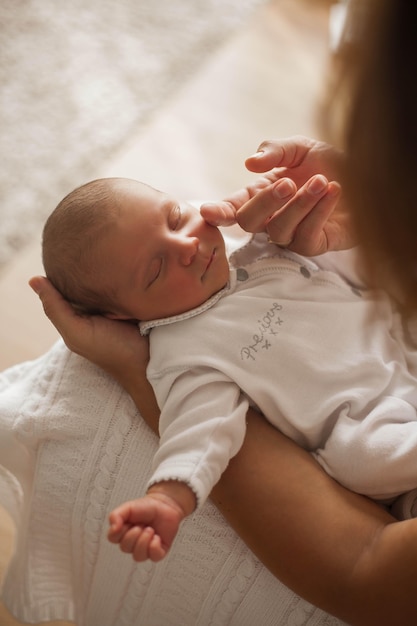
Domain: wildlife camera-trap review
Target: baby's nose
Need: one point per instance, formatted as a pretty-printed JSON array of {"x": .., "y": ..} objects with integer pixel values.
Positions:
[{"x": 188, "y": 247}]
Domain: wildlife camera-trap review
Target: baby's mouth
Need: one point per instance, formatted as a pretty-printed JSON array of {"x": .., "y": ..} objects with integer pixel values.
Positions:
[{"x": 210, "y": 261}]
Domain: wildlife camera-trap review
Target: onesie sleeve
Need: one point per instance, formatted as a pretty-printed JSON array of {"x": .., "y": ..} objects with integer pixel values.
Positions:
[{"x": 202, "y": 426}]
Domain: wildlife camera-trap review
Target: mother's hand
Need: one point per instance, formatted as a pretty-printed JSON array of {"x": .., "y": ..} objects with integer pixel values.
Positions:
[
  {"x": 115, "y": 346},
  {"x": 294, "y": 202},
  {"x": 297, "y": 157}
]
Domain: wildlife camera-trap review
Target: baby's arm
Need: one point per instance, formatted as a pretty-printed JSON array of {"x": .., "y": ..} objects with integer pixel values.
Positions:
[{"x": 146, "y": 527}]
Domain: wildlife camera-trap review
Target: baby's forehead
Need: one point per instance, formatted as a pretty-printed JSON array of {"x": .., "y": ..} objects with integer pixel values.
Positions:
[
  {"x": 146, "y": 197},
  {"x": 136, "y": 188},
  {"x": 141, "y": 196}
]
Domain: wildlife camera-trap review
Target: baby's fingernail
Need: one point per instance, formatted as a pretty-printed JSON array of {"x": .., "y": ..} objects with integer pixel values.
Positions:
[
  {"x": 318, "y": 184},
  {"x": 284, "y": 188}
]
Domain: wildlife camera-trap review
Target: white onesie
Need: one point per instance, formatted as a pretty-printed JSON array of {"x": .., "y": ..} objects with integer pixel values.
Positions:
[{"x": 323, "y": 360}]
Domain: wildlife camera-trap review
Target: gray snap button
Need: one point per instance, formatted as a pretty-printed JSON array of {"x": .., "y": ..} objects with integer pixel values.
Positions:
[{"x": 242, "y": 274}]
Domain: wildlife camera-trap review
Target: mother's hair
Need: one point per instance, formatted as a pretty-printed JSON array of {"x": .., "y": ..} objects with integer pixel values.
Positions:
[{"x": 372, "y": 110}]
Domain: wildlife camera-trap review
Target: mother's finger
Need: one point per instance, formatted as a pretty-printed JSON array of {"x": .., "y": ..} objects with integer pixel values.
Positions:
[
  {"x": 56, "y": 308},
  {"x": 326, "y": 227},
  {"x": 77, "y": 330},
  {"x": 287, "y": 152},
  {"x": 255, "y": 213},
  {"x": 282, "y": 226}
]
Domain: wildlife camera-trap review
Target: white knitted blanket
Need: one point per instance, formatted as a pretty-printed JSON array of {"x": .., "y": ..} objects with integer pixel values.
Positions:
[{"x": 72, "y": 446}]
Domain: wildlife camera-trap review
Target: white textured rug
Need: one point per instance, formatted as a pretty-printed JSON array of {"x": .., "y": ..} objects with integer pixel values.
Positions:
[{"x": 76, "y": 78}]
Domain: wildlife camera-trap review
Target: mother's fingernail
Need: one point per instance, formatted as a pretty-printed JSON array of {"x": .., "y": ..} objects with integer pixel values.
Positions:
[
  {"x": 256, "y": 155},
  {"x": 284, "y": 188},
  {"x": 317, "y": 184},
  {"x": 34, "y": 284}
]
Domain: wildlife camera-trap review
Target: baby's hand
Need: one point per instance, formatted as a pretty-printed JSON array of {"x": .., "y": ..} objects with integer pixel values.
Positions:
[
  {"x": 219, "y": 213},
  {"x": 146, "y": 527}
]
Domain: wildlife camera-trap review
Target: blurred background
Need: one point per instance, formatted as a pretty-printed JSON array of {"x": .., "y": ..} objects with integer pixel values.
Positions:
[{"x": 77, "y": 78}]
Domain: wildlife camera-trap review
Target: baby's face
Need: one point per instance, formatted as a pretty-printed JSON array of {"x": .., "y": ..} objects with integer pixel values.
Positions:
[{"x": 161, "y": 256}]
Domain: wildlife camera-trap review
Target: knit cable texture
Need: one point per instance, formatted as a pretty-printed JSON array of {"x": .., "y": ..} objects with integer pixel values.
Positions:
[{"x": 85, "y": 450}]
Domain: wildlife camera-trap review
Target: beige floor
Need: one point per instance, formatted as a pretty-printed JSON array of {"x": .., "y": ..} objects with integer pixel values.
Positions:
[{"x": 263, "y": 83}]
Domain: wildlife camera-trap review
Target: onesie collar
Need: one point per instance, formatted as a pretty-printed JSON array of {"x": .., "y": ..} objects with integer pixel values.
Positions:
[{"x": 146, "y": 327}]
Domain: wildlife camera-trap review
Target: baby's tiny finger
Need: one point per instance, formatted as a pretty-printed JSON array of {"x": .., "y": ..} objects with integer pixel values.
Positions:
[
  {"x": 156, "y": 551},
  {"x": 141, "y": 549},
  {"x": 116, "y": 533},
  {"x": 130, "y": 538},
  {"x": 218, "y": 214}
]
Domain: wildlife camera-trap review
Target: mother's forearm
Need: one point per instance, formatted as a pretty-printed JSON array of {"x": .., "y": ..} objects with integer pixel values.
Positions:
[
  {"x": 337, "y": 549},
  {"x": 142, "y": 394}
]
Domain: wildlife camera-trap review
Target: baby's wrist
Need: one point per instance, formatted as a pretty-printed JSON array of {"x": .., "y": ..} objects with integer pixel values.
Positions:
[{"x": 176, "y": 494}]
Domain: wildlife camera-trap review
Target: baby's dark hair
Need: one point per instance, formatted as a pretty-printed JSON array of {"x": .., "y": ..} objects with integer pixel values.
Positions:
[{"x": 69, "y": 244}]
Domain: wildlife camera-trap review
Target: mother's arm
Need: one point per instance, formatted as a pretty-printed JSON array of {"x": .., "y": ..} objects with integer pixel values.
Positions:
[{"x": 338, "y": 550}]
